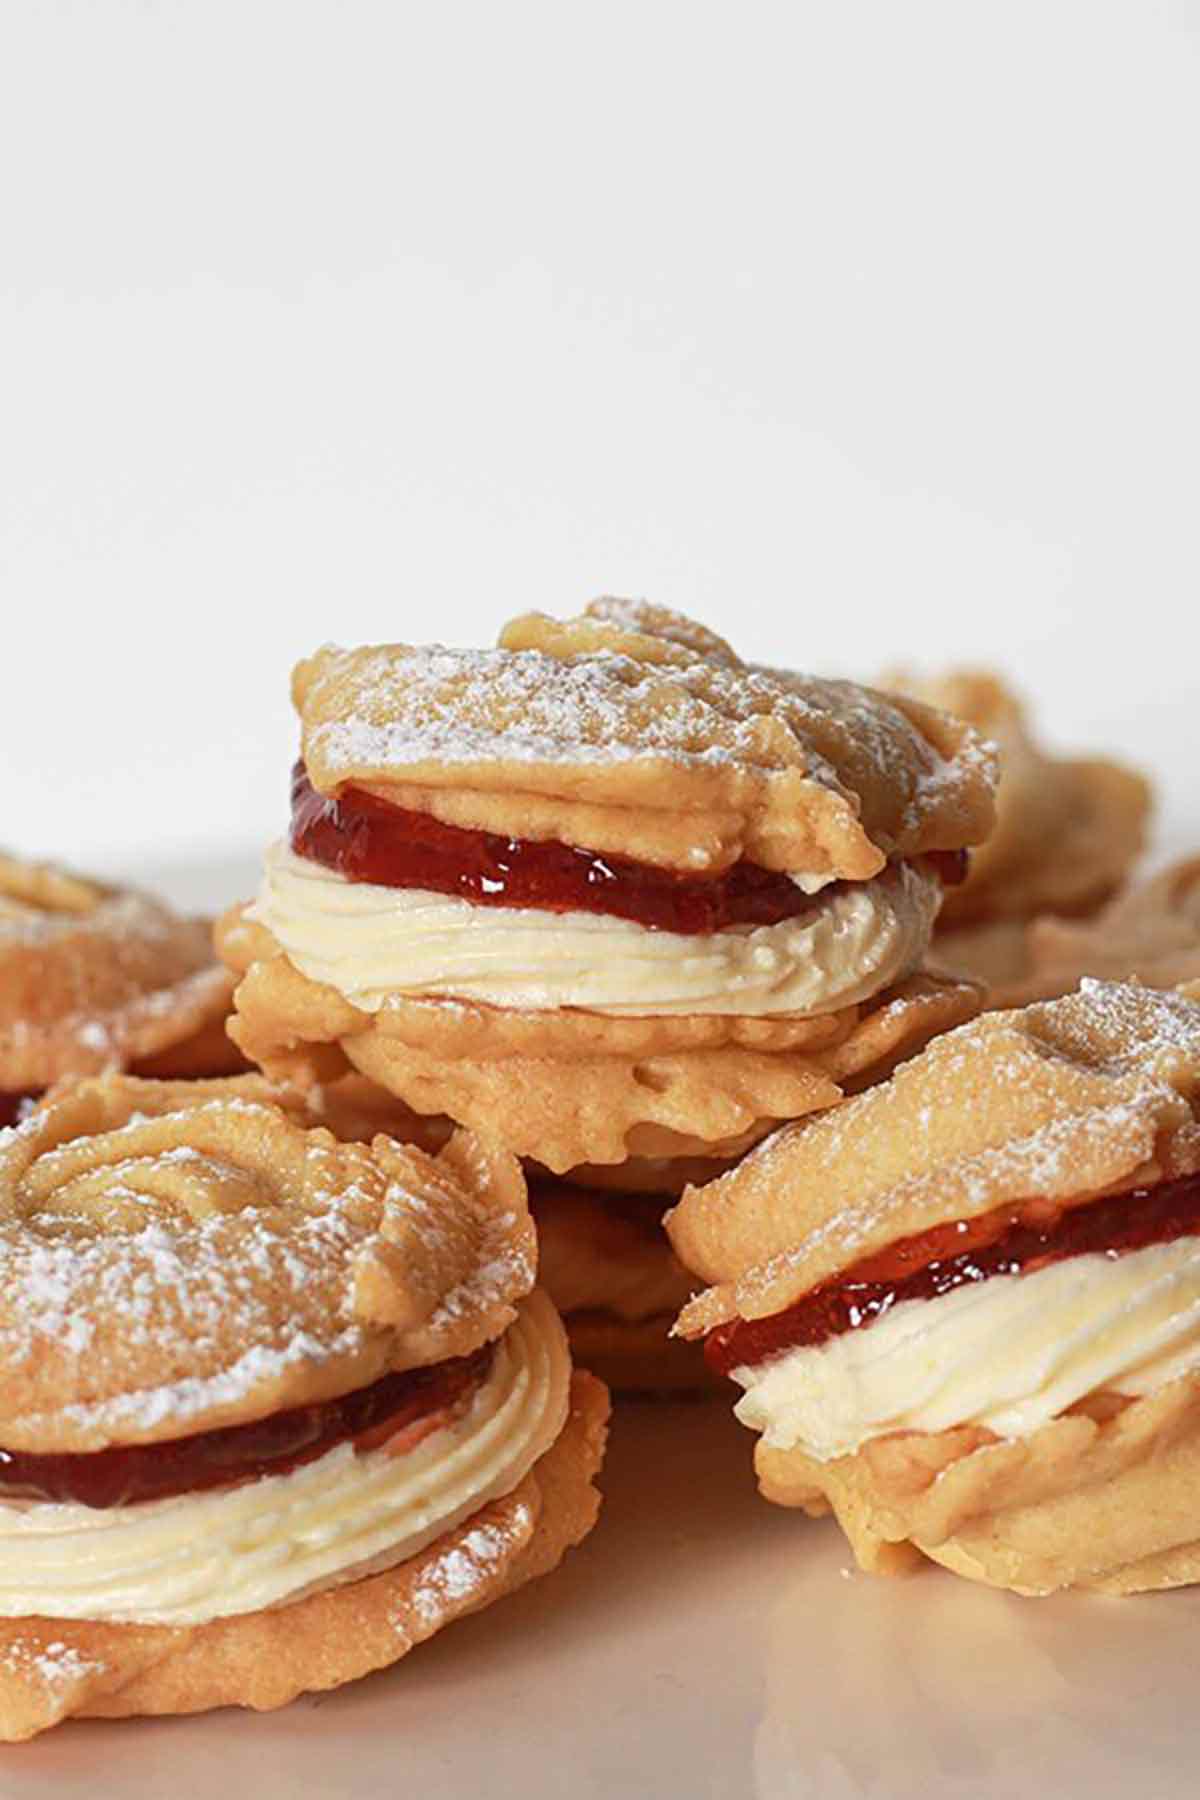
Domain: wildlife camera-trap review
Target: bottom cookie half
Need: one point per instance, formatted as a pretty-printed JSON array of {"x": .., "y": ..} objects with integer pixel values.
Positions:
[
  {"x": 1102, "y": 1498},
  {"x": 52, "y": 1669}
]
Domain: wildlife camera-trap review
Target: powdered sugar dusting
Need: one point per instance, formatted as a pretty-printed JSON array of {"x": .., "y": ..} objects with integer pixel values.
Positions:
[
  {"x": 208, "y": 1303},
  {"x": 1116, "y": 1030},
  {"x": 1149, "y": 1023},
  {"x": 158, "y": 1276},
  {"x": 192, "y": 1397},
  {"x": 458, "y": 1572},
  {"x": 880, "y": 739},
  {"x": 1043, "y": 1164},
  {"x": 372, "y": 713},
  {"x": 92, "y": 986},
  {"x": 1071, "y": 1098},
  {"x": 512, "y": 1268},
  {"x": 55, "y": 1665},
  {"x": 466, "y": 706},
  {"x": 120, "y": 915}
]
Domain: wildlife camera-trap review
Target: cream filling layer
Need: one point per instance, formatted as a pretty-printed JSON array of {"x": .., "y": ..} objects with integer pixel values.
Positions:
[
  {"x": 1009, "y": 1353},
  {"x": 371, "y": 943},
  {"x": 197, "y": 1557}
]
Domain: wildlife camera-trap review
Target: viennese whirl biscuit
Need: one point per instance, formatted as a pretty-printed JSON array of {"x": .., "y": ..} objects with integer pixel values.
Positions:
[
  {"x": 1067, "y": 828},
  {"x": 964, "y": 1306},
  {"x": 95, "y": 977},
  {"x": 275, "y": 1407},
  {"x": 599, "y": 894},
  {"x": 1149, "y": 933}
]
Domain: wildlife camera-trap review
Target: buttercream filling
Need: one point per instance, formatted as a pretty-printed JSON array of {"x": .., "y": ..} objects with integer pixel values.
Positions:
[
  {"x": 1008, "y": 1354},
  {"x": 346, "y": 1515},
  {"x": 372, "y": 943}
]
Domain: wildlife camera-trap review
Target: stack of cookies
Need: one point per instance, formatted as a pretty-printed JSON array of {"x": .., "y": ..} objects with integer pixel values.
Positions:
[
  {"x": 964, "y": 1307},
  {"x": 610, "y": 1004},
  {"x": 614, "y": 900},
  {"x": 281, "y": 1396}
]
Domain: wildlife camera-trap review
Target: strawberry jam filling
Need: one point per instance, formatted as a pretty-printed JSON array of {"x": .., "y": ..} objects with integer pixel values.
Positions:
[
  {"x": 1014, "y": 1240},
  {"x": 368, "y": 839},
  {"x": 397, "y": 1411}
]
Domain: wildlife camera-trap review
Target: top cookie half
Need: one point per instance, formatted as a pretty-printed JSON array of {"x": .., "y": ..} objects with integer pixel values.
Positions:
[{"x": 632, "y": 731}]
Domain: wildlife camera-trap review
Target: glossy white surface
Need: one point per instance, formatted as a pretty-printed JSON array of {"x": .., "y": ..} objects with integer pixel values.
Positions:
[{"x": 704, "y": 1644}]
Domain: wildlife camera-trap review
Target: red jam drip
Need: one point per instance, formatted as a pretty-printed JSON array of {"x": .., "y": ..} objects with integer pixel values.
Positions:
[
  {"x": 1012, "y": 1241},
  {"x": 236, "y": 1453},
  {"x": 368, "y": 839}
]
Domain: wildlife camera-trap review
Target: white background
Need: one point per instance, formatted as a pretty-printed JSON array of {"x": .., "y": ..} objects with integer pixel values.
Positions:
[{"x": 860, "y": 330}]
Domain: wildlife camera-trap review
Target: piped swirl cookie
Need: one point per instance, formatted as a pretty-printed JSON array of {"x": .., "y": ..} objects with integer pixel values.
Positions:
[
  {"x": 1150, "y": 933},
  {"x": 94, "y": 977},
  {"x": 964, "y": 1307},
  {"x": 275, "y": 1406},
  {"x": 604, "y": 891},
  {"x": 1067, "y": 828}
]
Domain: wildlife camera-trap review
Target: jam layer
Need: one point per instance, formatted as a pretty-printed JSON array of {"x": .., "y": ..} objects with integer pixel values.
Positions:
[
  {"x": 369, "y": 1417},
  {"x": 367, "y": 839},
  {"x": 1011, "y": 1241}
]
